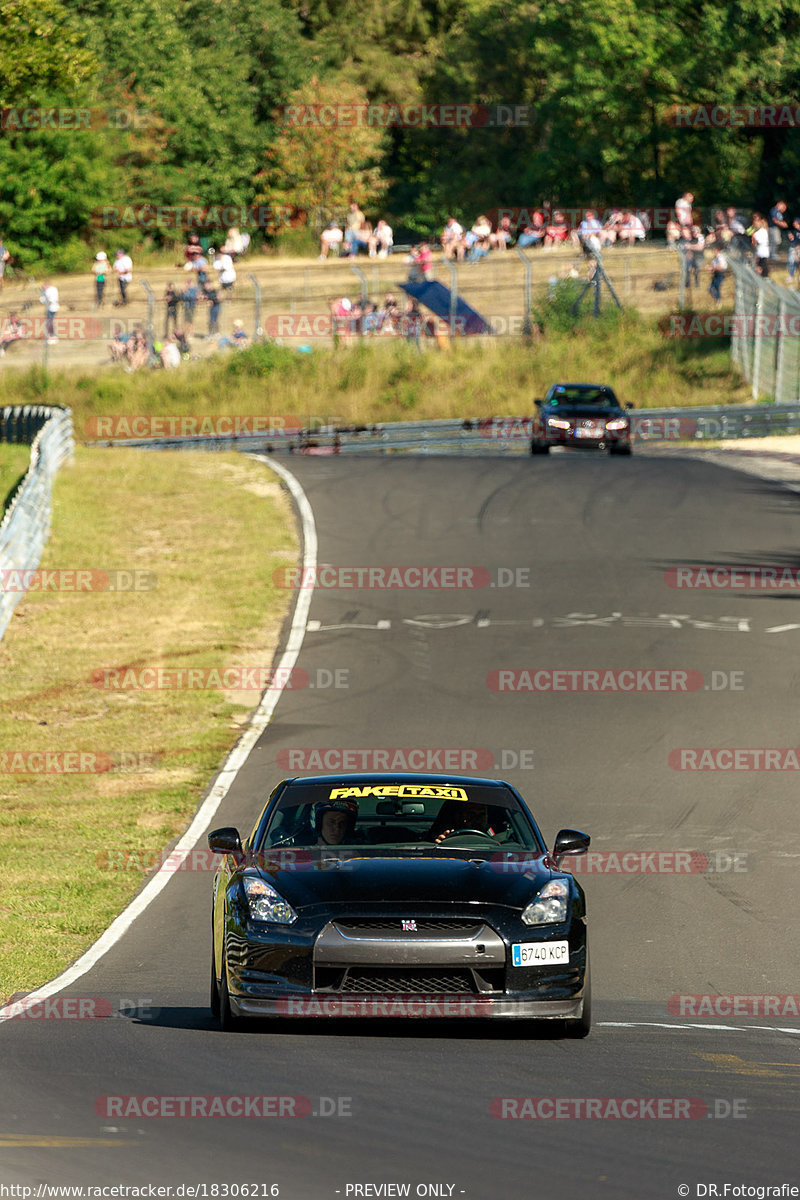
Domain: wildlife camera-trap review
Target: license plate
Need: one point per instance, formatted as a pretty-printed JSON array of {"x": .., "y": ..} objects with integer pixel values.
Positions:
[
  {"x": 592, "y": 432},
  {"x": 540, "y": 954}
]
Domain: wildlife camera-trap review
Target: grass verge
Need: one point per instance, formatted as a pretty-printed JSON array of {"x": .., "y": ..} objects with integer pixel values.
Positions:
[
  {"x": 210, "y": 530},
  {"x": 389, "y": 381},
  {"x": 14, "y": 462}
]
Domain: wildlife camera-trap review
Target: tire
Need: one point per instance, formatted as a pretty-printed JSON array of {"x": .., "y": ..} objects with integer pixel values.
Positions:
[
  {"x": 540, "y": 448},
  {"x": 626, "y": 450},
  {"x": 214, "y": 998},
  {"x": 582, "y": 1027}
]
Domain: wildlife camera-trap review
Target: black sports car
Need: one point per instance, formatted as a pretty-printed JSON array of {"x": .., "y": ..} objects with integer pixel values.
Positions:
[
  {"x": 398, "y": 895},
  {"x": 581, "y": 415}
]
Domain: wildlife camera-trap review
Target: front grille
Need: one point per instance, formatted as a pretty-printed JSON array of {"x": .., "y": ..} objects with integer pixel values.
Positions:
[
  {"x": 389, "y": 982},
  {"x": 455, "y": 926}
]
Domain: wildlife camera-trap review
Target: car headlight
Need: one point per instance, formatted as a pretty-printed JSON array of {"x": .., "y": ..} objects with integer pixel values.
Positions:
[
  {"x": 619, "y": 423},
  {"x": 266, "y": 905},
  {"x": 557, "y": 423},
  {"x": 550, "y": 906}
]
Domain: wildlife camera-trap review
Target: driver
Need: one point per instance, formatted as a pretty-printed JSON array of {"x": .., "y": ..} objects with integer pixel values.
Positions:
[
  {"x": 459, "y": 814},
  {"x": 334, "y": 821}
]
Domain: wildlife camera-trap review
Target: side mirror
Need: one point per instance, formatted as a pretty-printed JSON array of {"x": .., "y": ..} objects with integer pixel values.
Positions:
[
  {"x": 570, "y": 841},
  {"x": 630, "y": 406},
  {"x": 225, "y": 840},
  {"x": 538, "y": 403}
]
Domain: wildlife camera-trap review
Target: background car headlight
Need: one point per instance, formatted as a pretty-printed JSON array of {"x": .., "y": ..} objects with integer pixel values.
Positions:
[
  {"x": 266, "y": 905},
  {"x": 554, "y": 423},
  {"x": 617, "y": 425},
  {"x": 550, "y": 906}
]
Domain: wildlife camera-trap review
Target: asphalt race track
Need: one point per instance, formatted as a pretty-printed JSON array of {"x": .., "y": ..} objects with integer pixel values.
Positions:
[{"x": 418, "y": 1106}]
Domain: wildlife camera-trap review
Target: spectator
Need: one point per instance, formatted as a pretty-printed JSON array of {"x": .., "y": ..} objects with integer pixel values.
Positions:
[
  {"x": 452, "y": 239},
  {"x": 421, "y": 260},
  {"x": 739, "y": 240},
  {"x": 233, "y": 243},
  {"x": 330, "y": 238},
  {"x": 359, "y": 239},
  {"x": 171, "y": 298},
  {"x": 760, "y": 240},
  {"x": 239, "y": 335},
  {"x": 200, "y": 266},
  {"x": 793, "y": 236},
  {"x": 212, "y": 299},
  {"x": 12, "y": 332},
  {"x": 137, "y": 351},
  {"x": 557, "y": 231},
  {"x": 124, "y": 270},
  {"x": 381, "y": 240},
  {"x": 170, "y": 353},
  {"x": 720, "y": 233},
  {"x": 354, "y": 224},
  {"x": 533, "y": 233},
  {"x": 99, "y": 270},
  {"x": 631, "y": 229},
  {"x": 189, "y": 301},
  {"x": 4, "y": 257},
  {"x": 223, "y": 265},
  {"x": 192, "y": 250},
  {"x": 683, "y": 210},
  {"x": 777, "y": 223},
  {"x": 502, "y": 238},
  {"x": 718, "y": 267},
  {"x": 411, "y": 323},
  {"x": 694, "y": 248},
  {"x": 340, "y": 311},
  {"x": 673, "y": 234},
  {"x": 611, "y": 226},
  {"x": 588, "y": 232},
  {"x": 49, "y": 298},
  {"x": 481, "y": 232}
]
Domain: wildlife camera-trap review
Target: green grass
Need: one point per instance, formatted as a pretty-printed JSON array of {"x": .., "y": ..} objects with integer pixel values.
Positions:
[
  {"x": 391, "y": 381},
  {"x": 214, "y": 605},
  {"x": 14, "y": 462}
]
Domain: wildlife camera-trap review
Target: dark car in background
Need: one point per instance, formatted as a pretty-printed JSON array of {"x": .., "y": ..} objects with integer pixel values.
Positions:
[
  {"x": 398, "y": 896},
  {"x": 583, "y": 416}
]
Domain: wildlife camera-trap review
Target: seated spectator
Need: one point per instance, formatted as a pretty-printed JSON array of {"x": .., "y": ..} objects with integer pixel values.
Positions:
[
  {"x": 610, "y": 231},
  {"x": 481, "y": 232},
  {"x": 421, "y": 264},
  {"x": 630, "y": 229},
  {"x": 358, "y": 239},
  {"x": 533, "y": 233},
  {"x": 452, "y": 240},
  {"x": 380, "y": 241},
  {"x": 137, "y": 351},
  {"x": 411, "y": 322},
  {"x": 502, "y": 238},
  {"x": 170, "y": 353},
  {"x": 330, "y": 239},
  {"x": 12, "y": 332},
  {"x": 118, "y": 346},
  {"x": 239, "y": 335},
  {"x": 557, "y": 231},
  {"x": 588, "y": 232},
  {"x": 391, "y": 313}
]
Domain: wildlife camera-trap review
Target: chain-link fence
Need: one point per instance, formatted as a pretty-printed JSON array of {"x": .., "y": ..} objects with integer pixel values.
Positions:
[{"x": 765, "y": 334}]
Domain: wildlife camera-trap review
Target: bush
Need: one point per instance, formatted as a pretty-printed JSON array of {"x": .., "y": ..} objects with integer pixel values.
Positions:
[
  {"x": 556, "y": 312},
  {"x": 261, "y": 359}
]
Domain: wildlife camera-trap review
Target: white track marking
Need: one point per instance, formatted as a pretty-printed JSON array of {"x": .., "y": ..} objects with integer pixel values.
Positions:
[
  {"x": 230, "y": 768},
  {"x": 704, "y": 1027}
]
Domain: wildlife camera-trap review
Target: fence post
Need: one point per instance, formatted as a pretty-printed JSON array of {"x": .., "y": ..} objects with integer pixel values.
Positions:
[
  {"x": 453, "y": 294},
  {"x": 364, "y": 295},
  {"x": 781, "y": 340},
  {"x": 151, "y": 302},
  {"x": 257, "y": 330},
  {"x": 758, "y": 340},
  {"x": 526, "y": 320}
]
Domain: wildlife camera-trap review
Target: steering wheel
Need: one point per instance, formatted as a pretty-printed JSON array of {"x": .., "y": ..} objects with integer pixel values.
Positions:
[{"x": 451, "y": 833}]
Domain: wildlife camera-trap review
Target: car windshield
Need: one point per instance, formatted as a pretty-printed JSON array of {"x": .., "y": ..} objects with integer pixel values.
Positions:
[
  {"x": 400, "y": 816},
  {"x": 603, "y": 397}
]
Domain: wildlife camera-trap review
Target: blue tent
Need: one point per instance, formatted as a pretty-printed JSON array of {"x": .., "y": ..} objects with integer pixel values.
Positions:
[{"x": 437, "y": 298}]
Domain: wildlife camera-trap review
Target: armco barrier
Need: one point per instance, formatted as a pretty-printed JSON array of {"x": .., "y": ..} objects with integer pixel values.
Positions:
[
  {"x": 489, "y": 435},
  {"x": 25, "y": 527}
]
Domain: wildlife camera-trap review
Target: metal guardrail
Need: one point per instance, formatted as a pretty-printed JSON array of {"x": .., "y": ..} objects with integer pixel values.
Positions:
[
  {"x": 25, "y": 528},
  {"x": 485, "y": 436}
]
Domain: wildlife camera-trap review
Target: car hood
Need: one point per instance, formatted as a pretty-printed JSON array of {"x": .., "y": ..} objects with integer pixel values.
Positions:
[
  {"x": 510, "y": 880},
  {"x": 570, "y": 412}
]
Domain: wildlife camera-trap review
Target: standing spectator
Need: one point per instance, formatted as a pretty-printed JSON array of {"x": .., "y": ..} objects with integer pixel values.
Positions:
[
  {"x": 683, "y": 210},
  {"x": 673, "y": 233},
  {"x": 794, "y": 248},
  {"x": 171, "y": 299},
  {"x": 49, "y": 298},
  {"x": 421, "y": 260},
  {"x": 718, "y": 267},
  {"x": 777, "y": 223},
  {"x": 189, "y": 301},
  {"x": 452, "y": 239},
  {"x": 329, "y": 238},
  {"x": 760, "y": 240},
  {"x": 192, "y": 250},
  {"x": 695, "y": 244},
  {"x": 4, "y": 257},
  {"x": 355, "y": 222},
  {"x": 124, "y": 269},
  {"x": 233, "y": 243},
  {"x": 212, "y": 298},
  {"x": 99, "y": 270},
  {"x": 227, "y": 272},
  {"x": 381, "y": 240}
]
